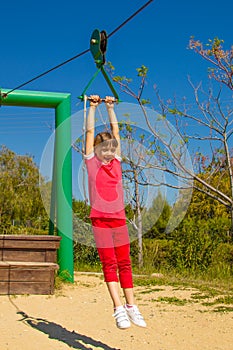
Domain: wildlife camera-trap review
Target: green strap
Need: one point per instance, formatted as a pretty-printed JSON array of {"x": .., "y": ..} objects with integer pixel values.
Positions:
[
  {"x": 89, "y": 84},
  {"x": 109, "y": 83}
]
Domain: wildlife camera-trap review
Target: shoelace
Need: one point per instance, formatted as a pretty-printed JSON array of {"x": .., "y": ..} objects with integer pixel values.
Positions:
[
  {"x": 120, "y": 315},
  {"x": 136, "y": 312}
]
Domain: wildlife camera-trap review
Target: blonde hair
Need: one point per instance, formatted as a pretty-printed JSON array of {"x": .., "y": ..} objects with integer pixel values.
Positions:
[{"x": 106, "y": 138}]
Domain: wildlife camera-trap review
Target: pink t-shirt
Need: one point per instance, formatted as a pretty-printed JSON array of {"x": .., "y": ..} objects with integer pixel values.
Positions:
[{"x": 105, "y": 188}]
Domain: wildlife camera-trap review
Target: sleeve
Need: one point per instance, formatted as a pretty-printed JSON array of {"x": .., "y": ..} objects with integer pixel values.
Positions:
[
  {"x": 118, "y": 158},
  {"x": 89, "y": 156}
]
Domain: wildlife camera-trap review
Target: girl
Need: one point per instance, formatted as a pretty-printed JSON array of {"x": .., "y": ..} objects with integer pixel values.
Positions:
[{"x": 108, "y": 214}]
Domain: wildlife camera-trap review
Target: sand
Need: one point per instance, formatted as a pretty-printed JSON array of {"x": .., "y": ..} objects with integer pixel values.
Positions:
[{"x": 79, "y": 316}]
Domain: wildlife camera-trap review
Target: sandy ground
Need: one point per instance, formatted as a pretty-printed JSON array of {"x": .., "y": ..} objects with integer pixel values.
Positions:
[{"x": 80, "y": 317}]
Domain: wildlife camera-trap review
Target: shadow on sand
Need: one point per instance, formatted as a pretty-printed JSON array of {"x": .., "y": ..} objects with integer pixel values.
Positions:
[{"x": 56, "y": 331}]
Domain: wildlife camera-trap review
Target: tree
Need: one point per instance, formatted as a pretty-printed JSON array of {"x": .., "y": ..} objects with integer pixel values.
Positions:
[
  {"x": 158, "y": 230},
  {"x": 20, "y": 199},
  {"x": 214, "y": 171}
]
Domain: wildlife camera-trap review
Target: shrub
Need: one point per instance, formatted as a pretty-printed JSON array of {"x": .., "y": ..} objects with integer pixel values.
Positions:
[
  {"x": 193, "y": 246},
  {"x": 85, "y": 255},
  {"x": 222, "y": 261},
  {"x": 157, "y": 253},
  {"x": 22, "y": 230}
]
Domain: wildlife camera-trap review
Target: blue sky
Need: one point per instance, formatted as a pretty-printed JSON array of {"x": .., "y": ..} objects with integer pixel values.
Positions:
[{"x": 37, "y": 36}]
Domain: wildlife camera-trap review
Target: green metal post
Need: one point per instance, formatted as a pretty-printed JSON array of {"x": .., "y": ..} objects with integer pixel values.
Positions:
[
  {"x": 64, "y": 185},
  {"x": 63, "y": 164},
  {"x": 52, "y": 214}
]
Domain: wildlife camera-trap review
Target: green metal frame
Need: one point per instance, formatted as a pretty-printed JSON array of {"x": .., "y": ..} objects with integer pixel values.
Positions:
[{"x": 61, "y": 200}]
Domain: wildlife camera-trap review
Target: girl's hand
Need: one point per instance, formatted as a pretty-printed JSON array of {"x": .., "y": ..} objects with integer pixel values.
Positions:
[
  {"x": 95, "y": 100},
  {"x": 109, "y": 101}
]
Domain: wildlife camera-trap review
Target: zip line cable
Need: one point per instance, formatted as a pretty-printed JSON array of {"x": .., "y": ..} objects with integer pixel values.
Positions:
[
  {"x": 78, "y": 55},
  {"x": 128, "y": 19},
  {"x": 46, "y": 72}
]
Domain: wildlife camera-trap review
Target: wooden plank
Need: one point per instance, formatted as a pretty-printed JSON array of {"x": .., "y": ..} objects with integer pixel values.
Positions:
[
  {"x": 30, "y": 275},
  {"x": 31, "y": 264},
  {"x": 4, "y": 287},
  {"x": 8, "y": 288},
  {"x": 9, "y": 244},
  {"x": 4, "y": 274},
  {"x": 51, "y": 256},
  {"x": 29, "y": 241},
  {"x": 30, "y": 237},
  {"x": 23, "y": 255},
  {"x": 30, "y": 288},
  {"x": 25, "y": 275},
  {"x": 29, "y": 279}
]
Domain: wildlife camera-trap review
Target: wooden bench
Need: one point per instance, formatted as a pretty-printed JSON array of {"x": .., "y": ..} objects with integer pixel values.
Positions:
[{"x": 28, "y": 263}]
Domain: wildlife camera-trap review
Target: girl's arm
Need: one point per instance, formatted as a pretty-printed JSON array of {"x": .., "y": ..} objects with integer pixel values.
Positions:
[
  {"x": 90, "y": 130},
  {"x": 109, "y": 101}
]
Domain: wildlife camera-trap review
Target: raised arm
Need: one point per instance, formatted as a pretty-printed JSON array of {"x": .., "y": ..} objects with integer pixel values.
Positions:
[
  {"x": 109, "y": 101},
  {"x": 90, "y": 127}
]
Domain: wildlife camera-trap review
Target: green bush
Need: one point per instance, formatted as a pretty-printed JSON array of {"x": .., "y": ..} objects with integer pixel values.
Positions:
[
  {"x": 196, "y": 240},
  {"x": 222, "y": 261},
  {"x": 22, "y": 230},
  {"x": 193, "y": 245},
  {"x": 157, "y": 254},
  {"x": 219, "y": 229},
  {"x": 86, "y": 256}
]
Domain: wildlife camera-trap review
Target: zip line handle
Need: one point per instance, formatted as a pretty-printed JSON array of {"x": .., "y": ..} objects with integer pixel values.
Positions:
[{"x": 103, "y": 99}]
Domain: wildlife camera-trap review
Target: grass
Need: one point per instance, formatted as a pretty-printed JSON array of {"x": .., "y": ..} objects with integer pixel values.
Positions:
[
  {"x": 87, "y": 267},
  {"x": 171, "y": 300},
  {"x": 226, "y": 299},
  {"x": 216, "y": 294},
  {"x": 199, "y": 296},
  {"x": 223, "y": 309},
  {"x": 152, "y": 290},
  {"x": 204, "y": 285}
]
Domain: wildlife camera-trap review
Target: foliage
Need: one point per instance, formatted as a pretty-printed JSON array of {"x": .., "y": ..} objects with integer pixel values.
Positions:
[
  {"x": 86, "y": 256},
  {"x": 220, "y": 59},
  {"x": 85, "y": 253},
  {"x": 157, "y": 253},
  {"x": 222, "y": 261},
  {"x": 196, "y": 240},
  {"x": 20, "y": 202},
  {"x": 159, "y": 206},
  {"x": 205, "y": 207},
  {"x": 81, "y": 209}
]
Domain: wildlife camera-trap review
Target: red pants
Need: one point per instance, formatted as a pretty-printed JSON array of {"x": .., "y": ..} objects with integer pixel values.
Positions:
[{"x": 112, "y": 242}]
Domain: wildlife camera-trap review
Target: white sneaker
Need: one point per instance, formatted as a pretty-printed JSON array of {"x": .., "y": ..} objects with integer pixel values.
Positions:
[
  {"x": 121, "y": 317},
  {"x": 135, "y": 316}
]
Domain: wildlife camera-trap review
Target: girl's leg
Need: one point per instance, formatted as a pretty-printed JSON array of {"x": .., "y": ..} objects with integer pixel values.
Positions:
[
  {"x": 109, "y": 266},
  {"x": 114, "y": 293},
  {"x": 125, "y": 272},
  {"x": 126, "y": 279},
  {"x": 129, "y": 295}
]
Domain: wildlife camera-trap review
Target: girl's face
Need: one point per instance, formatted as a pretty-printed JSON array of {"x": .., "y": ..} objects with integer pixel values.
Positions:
[{"x": 105, "y": 152}]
